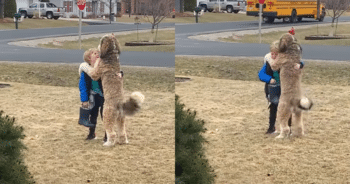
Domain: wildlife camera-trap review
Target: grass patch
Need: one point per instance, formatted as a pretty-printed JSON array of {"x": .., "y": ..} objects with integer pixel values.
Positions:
[
  {"x": 246, "y": 69},
  {"x": 66, "y": 75},
  {"x": 39, "y": 23},
  {"x": 300, "y": 35},
  {"x": 167, "y": 36}
]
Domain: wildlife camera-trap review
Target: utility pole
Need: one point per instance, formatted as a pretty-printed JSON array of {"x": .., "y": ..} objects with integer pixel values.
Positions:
[{"x": 110, "y": 11}]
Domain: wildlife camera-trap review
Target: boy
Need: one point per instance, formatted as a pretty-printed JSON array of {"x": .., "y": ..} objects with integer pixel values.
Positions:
[{"x": 91, "y": 89}]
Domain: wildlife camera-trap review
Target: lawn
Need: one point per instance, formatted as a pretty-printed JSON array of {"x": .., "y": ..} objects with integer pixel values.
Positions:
[
  {"x": 214, "y": 17},
  {"x": 300, "y": 33},
  {"x": 38, "y": 23},
  {"x": 166, "y": 36},
  {"x": 227, "y": 94},
  {"x": 44, "y": 99}
]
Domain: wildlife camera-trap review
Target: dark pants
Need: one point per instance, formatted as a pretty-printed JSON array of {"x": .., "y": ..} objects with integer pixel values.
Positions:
[
  {"x": 272, "y": 118},
  {"x": 94, "y": 112}
]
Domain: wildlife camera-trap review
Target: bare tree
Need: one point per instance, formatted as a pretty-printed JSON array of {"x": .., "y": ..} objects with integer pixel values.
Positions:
[
  {"x": 335, "y": 8},
  {"x": 157, "y": 10}
]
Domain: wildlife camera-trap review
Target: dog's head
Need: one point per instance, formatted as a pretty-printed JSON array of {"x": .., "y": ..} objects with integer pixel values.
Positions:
[
  {"x": 288, "y": 43},
  {"x": 108, "y": 45}
]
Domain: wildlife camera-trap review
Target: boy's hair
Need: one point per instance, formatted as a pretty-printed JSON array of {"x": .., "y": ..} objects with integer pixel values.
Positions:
[
  {"x": 274, "y": 46},
  {"x": 87, "y": 55}
]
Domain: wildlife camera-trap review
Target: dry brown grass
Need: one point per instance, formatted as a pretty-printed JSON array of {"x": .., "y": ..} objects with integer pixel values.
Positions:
[
  {"x": 37, "y": 23},
  {"x": 58, "y": 152},
  {"x": 167, "y": 37},
  {"x": 237, "y": 117},
  {"x": 301, "y": 33}
]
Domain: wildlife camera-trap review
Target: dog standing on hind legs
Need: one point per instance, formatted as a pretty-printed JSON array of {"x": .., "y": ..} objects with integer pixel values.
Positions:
[
  {"x": 291, "y": 101},
  {"x": 115, "y": 107}
]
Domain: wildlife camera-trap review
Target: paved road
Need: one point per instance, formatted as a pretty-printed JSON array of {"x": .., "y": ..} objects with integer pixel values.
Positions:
[
  {"x": 185, "y": 46},
  {"x": 17, "y": 53}
]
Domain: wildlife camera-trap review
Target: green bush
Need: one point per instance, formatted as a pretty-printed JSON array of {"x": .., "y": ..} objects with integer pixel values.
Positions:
[
  {"x": 12, "y": 168},
  {"x": 191, "y": 165},
  {"x": 10, "y": 8},
  {"x": 189, "y": 5}
]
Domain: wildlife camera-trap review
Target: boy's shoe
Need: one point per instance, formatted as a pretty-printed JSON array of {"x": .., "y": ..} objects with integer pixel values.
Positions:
[
  {"x": 270, "y": 131},
  {"x": 91, "y": 137}
]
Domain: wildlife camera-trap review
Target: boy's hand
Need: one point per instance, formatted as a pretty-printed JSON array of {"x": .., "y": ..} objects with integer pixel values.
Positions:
[
  {"x": 85, "y": 105},
  {"x": 297, "y": 66},
  {"x": 120, "y": 74},
  {"x": 272, "y": 81}
]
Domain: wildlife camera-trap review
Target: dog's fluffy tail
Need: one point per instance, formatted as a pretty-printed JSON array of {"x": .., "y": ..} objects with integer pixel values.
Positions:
[
  {"x": 133, "y": 104},
  {"x": 305, "y": 103}
]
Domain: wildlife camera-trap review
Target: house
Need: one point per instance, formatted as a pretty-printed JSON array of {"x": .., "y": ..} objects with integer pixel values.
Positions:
[{"x": 93, "y": 7}]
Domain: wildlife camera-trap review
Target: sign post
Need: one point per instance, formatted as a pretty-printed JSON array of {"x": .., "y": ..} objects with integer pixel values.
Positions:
[
  {"x": 261, "y": 2},
  {"x": 81, "y": 5}
]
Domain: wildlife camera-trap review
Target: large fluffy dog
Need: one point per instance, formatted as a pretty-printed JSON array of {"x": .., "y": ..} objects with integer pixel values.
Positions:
[
  {"x": 291, "y": 102},
  {"x": 115, "y": 107}
]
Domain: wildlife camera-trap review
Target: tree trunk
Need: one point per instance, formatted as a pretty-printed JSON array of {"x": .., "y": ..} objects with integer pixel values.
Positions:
[
  {"x": 331, "y": 33},
  {"x": 151, "y": 40},
  {"x": 2, "y": 3},
  {"x": 336, "y": 26}
]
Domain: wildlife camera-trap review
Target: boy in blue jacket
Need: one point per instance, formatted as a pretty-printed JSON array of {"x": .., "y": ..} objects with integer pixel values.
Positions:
[
  {"x": 91, "y": 89},
  {"x": 270, "y": 77}
]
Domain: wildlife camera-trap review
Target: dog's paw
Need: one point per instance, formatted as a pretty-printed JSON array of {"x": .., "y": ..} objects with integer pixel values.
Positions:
[
  {"x": 123, "y": 140},
  {"x": 108, "y": 144},
  {"x": 281, "y": 136}
]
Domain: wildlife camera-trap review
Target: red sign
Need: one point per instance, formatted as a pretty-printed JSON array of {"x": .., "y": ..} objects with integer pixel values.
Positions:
[
  {"x": 261, "y": 1},
  {"x": 81, "y": 4}
]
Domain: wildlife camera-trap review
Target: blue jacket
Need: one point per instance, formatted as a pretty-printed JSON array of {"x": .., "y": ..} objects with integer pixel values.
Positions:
[
  {"x": 263, "y": 76},
  {"x": 85, "y": 83}
]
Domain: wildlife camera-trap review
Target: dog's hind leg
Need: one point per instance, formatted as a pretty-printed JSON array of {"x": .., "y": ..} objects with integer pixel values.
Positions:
[
  {"x": 298, "y": 122},
  {"x": 123, "y": 139},
  {"x": 109, "y": 116},
  {"x": 283, "y": 114}
]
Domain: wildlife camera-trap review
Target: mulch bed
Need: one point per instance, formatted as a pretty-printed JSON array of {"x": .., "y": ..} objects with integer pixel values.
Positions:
[
  {"x": 182, "y": 79},
  {"x": 6, "y": 20},
  {"x": 326, "y": 37},
  {"x": 4, "y": 85}
]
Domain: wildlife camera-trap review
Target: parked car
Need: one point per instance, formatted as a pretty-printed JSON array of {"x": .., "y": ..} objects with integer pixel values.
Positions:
[
  {"x": 229, "y": 5},
  {"x": 48, "y": 10}
]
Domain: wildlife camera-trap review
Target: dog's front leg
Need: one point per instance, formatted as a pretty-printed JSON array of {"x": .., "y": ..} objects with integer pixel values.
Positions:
[{"x": 96, "y": 72}]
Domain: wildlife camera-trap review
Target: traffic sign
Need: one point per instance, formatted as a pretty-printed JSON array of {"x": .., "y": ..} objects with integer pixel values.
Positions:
[
  {"x": 261, "y": 1},
  {"x": 81, "y": 4}
]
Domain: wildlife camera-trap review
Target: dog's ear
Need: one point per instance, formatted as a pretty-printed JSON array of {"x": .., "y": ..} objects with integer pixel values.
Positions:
[
  {"x": 285, "y": 41},
  {"x": 105, "y": 46}
]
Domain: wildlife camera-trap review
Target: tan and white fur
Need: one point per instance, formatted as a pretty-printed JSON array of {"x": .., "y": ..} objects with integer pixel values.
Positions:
[
  {"x": 107, "y": 67},
  {"x": 291, "y": 102}
]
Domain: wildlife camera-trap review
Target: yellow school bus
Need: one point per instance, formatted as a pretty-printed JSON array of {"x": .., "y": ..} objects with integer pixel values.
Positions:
[{"x": 288, "y": 10}]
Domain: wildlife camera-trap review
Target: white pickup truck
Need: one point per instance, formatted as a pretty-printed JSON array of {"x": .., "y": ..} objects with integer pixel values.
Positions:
[
  {"x": 48, "y": 10},
  {"x": 229, "y": 5}
]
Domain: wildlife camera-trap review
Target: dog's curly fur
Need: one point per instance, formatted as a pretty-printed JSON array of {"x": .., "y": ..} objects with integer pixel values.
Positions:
[
  {"x": 115, "y": 107},
  {"x": 289, "y": 54}
]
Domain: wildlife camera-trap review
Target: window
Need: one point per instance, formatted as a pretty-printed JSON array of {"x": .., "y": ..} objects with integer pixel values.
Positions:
[
  {"x": 42, "y": 5},
  {"x": 32, "y": 6},
  {"x": 102, "y": 7},
  {"x": 52, "y": 5},
  {"x": 68, "y": 6},
  {"x": 88, "y": 6}
]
